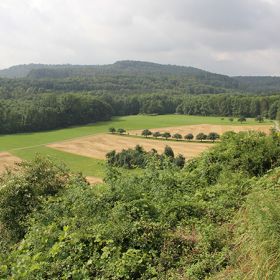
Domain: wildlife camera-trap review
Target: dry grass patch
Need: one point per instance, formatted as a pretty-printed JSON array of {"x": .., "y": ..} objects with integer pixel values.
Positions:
[
  {"x": 7, "y": 161},
  {"x": 99, "y": 145},
  {"x": 207, "y": 128},
  {"x": 94, "y": 180}
]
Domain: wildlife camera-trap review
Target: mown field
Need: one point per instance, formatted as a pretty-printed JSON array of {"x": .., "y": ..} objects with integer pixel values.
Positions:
[{"x": 27, "y": 145}]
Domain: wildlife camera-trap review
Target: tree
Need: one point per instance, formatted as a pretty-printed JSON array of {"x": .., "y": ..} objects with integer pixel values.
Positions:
[
  {"x": 156, "y": 134},
  {"x": 242, "y": 119},
  {"x": 112, "y": 130},
  {"x": 146, "y": 132},
  {"x": 201, "y": 136},
  {"x": 121, "y": 131},
  {"x": 168, "y": 152},
  {"x": 166, "y": 135},
  {"x": 277, "y": 116},
  {"x": 180, "y": 161},
  {"x": 177, "y": 136},
  {"x": 259, "y": 119},
  {"x": 231, "y": 119},
  {"x": 189, "y": 136},
  {"x": 213, "y": 136}
]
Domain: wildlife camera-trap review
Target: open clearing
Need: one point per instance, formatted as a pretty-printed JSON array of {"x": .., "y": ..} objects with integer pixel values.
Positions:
[
  {"x": 99, "y": 145},
  {"x": 7, "y": 161},
  {"x": 207, "y": 128}
]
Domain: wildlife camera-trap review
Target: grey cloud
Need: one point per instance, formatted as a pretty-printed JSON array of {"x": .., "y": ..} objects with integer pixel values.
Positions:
[{"x": 228, "y": 36}]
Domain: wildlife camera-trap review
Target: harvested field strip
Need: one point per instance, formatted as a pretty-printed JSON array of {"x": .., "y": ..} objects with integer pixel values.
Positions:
[
  {"x": 7, "y": 161},
  {"x": 99, "y": 145}
]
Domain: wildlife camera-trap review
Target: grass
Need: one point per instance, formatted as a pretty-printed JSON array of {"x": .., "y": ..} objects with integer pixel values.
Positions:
[
  {"x": 27, "y": 145},
  {"x": 23, "y": 140},
  {"x": 88, "y": 166}
]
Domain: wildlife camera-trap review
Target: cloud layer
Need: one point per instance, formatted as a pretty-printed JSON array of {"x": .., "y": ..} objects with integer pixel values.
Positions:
[{"x": 233, "y": 37}]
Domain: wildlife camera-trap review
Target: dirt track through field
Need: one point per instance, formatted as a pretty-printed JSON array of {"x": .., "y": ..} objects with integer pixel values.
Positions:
[
  {"x": 207, "y": 128},
  {"x": 94, "y": 180},
  {"x": 97, "y": 146},
  {"x": 7, "y": 161}
]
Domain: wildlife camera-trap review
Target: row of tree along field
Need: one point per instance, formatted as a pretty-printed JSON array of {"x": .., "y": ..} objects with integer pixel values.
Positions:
[
  {"x": 55, "y": 110},
  {"x": 215, "y": 218},
  {"x": 212, "y": 136}
]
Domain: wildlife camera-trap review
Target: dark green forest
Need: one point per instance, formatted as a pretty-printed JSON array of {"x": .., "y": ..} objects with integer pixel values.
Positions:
[
  {"x": 217, "y": 218},
  {"x": 41, "y": 97}
]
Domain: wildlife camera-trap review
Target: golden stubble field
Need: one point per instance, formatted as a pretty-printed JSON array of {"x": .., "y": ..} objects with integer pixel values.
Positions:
[
  {"x": 99, "y": 145},
  {"x": 7, "y": 161}
]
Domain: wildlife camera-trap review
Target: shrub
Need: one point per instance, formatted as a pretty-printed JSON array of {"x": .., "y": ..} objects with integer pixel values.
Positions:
[
  {"x": 201, "y": 136},
  {"x": 177, "y": 136},
  {"x": 112, "y": 130},
  {"x": 156, "y": 134},
  {"x": 166, "y": 135},
  {"x": 146, "y": 132},
  {"x": 121, "y": 131},
  {"x": 189, "y": 136}
]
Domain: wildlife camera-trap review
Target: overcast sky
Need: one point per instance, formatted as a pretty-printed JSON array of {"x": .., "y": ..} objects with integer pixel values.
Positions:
[{"x": 235, "y": 37}]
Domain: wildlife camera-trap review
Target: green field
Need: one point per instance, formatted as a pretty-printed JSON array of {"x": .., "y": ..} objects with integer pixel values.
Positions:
[{"x": 27, "y": 145}]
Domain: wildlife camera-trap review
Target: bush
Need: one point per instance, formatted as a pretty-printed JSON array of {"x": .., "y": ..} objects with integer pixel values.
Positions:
[
  {"x": 168, "y": 152},
  {"x": 22, "y": 193},
  {"x": 189, "y": 136},
  {"x": 166, "y": 135},
  {"x": 121, "y": 131},
  {"x": 146, "y": 132},
  {"x": 156, "y": 134},
  {"x": 177, "y": 136},
  {"x": 213, "y": 136},
  {"x": 201, "y": 136}
]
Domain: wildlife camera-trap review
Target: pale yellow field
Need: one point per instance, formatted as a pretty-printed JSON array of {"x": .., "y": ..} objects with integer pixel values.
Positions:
[
  {"x": 7, "y": 161},
  {"x": 94, "y": 180},
  {"x": 99, "y": 145},
  {"x": 207, "y": 128}
]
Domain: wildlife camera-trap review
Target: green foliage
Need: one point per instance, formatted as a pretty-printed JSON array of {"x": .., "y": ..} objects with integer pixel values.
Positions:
[
  {"x": 213, "y": 136},
  {"x": 22, "y": 193},
  {"x": 166, "y": 135},
  {"x": 112, "y": 130},
  {"x": 156, "y": 134},
  {"x": 121, "y": 131},
  {"x": 146, "y": 132},
  {"x": 242, "y": 119},
  {"x": 177, "y": 136},
  {"x": 201, "y": 136},
  {"x": 164, "y": 223},
  {"x": 189, "y": 137},
  {"x": 259, "y": 118},
  {"x": 168, "y": 152}
]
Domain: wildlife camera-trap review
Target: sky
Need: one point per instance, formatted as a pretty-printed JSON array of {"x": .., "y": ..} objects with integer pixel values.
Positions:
[{"x": 233, "y": 37}]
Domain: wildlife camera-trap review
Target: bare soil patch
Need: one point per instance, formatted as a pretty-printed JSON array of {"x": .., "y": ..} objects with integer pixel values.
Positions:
[
  {"x": 94, "y": 180},
  {"x": 7, "y": 161},
  {"x": 99, "y": 145},
  {"x": 207, "y": 128}
]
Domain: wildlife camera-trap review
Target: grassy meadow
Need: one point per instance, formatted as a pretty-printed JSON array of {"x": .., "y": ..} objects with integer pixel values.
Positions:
[{"x": 27, "y": 145}]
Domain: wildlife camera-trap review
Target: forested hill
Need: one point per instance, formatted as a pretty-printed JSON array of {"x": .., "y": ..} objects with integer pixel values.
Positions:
[
  {"x": 138, "y": 76},
  {"x": 120, "y": 77}
]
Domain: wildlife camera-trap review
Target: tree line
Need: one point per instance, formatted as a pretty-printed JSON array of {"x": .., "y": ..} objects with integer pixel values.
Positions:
[
  {"x": 51, "y": 112},
  {"x": 35, "y": 112}
]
